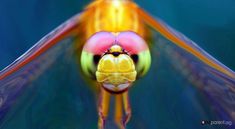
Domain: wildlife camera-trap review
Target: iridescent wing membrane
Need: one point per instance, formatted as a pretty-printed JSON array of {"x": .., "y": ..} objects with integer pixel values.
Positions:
[
  {"x": 218, "y": 88},
  {"x": 56, "y": 51}
]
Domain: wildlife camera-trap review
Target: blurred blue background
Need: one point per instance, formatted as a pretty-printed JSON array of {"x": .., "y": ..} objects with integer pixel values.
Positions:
[{"x": 210, "y": 23}]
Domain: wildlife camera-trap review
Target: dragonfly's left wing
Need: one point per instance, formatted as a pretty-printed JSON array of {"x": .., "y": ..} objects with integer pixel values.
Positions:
[
  {"x": 185, "y": 43},
  {"x": 211, "y": 77},
  {"x": 24, "y": 70}
]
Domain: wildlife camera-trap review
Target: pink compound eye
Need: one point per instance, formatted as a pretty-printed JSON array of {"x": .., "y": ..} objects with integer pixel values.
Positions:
[
  {"x": 102, "y": 42},
  {"x": 99, "y": 43},
  {"x": 131, "y": 42}
]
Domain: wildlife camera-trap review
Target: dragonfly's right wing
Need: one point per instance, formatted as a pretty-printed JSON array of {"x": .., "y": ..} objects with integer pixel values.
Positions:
[{"x": 39, "y": 58}]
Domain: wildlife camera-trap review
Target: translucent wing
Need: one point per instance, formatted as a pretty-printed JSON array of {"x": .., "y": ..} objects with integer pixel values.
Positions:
[
  {"x": 184, "y": 43},
  {"x": 218, "y": 89},
  {"x": 210, "y": 77},
  {"x": 65, "y": 30},
  {"x": 55, "y": 52}
]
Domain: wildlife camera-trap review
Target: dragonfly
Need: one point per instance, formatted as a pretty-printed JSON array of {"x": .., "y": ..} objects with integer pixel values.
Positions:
[{"x": 111, "y": 43}]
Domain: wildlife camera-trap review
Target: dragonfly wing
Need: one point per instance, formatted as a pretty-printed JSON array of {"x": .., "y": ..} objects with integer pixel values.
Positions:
[
  {"x": 212, "y": 78},
  {"x": 218, "y": 89},
  {"x": 185, "y": 43},
  {"x": 16, "y": 77}
]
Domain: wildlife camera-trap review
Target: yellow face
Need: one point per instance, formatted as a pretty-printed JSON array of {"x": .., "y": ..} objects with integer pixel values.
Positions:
[
  {"x": 115, "y": 60},
  {"x": 116, "y": 70}
]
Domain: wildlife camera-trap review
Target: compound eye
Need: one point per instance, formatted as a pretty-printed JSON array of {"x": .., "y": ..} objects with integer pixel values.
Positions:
[
  {"x": 99, "y": 43},
  {"x": 143, "y": 62},
  {"x": 131, "y": 42},
  {"x": 96, "y": 59},
  {"x": 138, "y": 50},
  {"x": 135, "y": 58},
  {"x": 92, "y": 51}
]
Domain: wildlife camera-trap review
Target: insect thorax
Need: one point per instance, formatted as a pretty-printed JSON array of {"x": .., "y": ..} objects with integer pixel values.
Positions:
[{"x": 112, "y": 16}]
